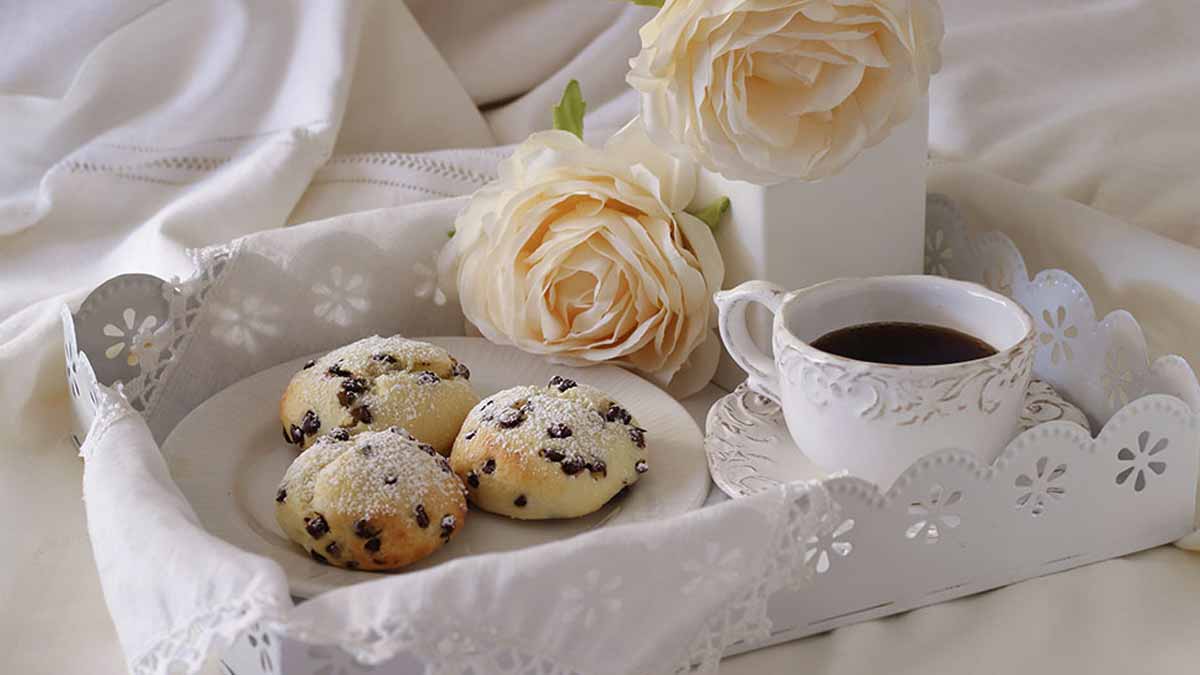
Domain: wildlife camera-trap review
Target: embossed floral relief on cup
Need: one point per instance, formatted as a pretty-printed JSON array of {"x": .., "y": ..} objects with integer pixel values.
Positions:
[{"x": 900, "y": 395}]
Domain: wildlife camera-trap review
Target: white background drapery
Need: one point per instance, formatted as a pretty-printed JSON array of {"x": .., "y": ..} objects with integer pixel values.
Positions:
[{"x": 134, "y": 130}]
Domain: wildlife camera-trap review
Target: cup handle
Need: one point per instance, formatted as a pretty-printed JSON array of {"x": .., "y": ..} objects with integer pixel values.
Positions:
[{"x": 763, "y": 377}]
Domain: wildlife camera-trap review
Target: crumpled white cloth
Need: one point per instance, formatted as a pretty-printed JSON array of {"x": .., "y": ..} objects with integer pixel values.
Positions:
[{"x": 176, "y": 592}]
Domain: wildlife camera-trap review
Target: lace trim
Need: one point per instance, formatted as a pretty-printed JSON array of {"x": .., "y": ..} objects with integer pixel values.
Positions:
[
  {"x": 377, "y": 182},
  {"x": 185, "y": 300},
  {"x": 416, "y": 162},
  {"x": 799, "y": 513},
  {"x": 186, "y": 648},
  {"x": 111, "y": 407},
  {"x": 444, "y": 647}
]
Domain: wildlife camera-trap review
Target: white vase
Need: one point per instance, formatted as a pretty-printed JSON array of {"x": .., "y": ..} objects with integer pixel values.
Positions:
[{"x": 867, "y": 220}]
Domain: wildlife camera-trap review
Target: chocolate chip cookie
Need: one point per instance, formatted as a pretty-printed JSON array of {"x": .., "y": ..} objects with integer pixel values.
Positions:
[
  {"x": 377, "y": 383},
  {"x": 558, "y": 451},
  {"x": 376, "y": 501}
]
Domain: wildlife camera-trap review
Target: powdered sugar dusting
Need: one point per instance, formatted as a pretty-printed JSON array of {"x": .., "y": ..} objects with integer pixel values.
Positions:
[
  {"x": 571, "y": 423},
  {"x": 373, "y": 473},
  {"x": 378, "y": 381}
]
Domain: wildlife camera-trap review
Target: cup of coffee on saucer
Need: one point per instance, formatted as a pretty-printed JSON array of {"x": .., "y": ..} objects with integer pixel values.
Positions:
[{"x": 874, "y": 373}]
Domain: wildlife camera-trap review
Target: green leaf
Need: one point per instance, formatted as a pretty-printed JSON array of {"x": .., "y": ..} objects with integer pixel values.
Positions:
[
  {"x": 648, "y": 3},
  {"x": 712, "y": 214},
  {"x": 568, "y": 114},
  {"x": 450, "y": 233}
]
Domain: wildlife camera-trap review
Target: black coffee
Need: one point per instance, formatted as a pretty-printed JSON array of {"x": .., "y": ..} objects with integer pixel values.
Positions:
[{"x": 904, "y": 344}]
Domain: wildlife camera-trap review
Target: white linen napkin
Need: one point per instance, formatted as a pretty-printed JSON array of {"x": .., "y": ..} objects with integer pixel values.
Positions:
[{"x": 175, "y": 591}]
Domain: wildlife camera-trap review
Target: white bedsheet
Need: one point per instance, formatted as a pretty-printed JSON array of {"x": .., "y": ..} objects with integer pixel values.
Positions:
[{"x": 131, "y": 133}]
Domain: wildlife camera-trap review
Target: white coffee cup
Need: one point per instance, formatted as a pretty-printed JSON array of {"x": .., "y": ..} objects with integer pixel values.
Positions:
[{"x": 876, "y": 419}]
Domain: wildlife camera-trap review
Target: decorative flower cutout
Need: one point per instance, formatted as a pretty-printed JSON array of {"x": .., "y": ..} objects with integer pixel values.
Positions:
[
  {"x": 717, "y": 568},
  {"x": 143, "y": 342},
  {"x": 1117, "y": 378},
  {"x": 1141, "y": 461},
  {"x": 1037, "y": 489},
  {"x": 938, "y": 254},
  {"x": 427, "y": 288},
  {"x": 999, "y": 278},
  {"x": 342, "y": 297},
  {"x": 818, "y": 547},
  {"x": 243, "y": 319},
  {"x": 262, "y": 643},
  {"x": 585, "y": 601},
  {"x": 72, "y": 371},
  {"x": 1059, "y": 333},
  {"x": 931, "y": 514}
]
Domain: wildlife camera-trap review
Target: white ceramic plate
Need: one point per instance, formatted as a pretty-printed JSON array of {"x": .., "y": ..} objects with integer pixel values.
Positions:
[{"x": 228, "y": 457}]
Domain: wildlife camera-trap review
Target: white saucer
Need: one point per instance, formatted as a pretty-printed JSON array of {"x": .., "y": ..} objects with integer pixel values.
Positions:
[
  {"x": 227, "y": 457},
  {"x": 750, "y": 450}
]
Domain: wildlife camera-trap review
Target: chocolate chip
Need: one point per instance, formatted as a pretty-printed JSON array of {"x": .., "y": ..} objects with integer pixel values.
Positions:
[
  {"x": 318, "y": 557},
  {"x": 361, "y": 414},
  {"x": 638, "y": 436},
  {"x": 384, "y": 358},
  {"x": 339, "y": 434},
  {"x": 351, "y": 564},
  {"x": 364, "y": 530},
  {"x": 310, "y": 423},
  {"x": 428, "y": 377},
  {"x": 447, "y": 526},
  {"x": 552, "y": 455},
  {"x": 520, "y": 501},
  {"x": 616, "y": 412},
  {"x": 489, "y": 466},
  {"x": 422, "y": 517},
  {"x": 460, "y": 370},
  {"x": 281, "y": 495},
  {"x": 561, "y": 383},
  {"x": 334, "y": 549},
  {"x": 510, "y": 418},
  {"x": 297, "y": 435},
  {"x": 470, "y": 434},
  {"x": 390, "y": 480},
  {"x": 316, "y": 526},
  {"x": 559, "y": 431},
  {"x": 373, "y": 544},
  {"x": 572, "y": 466},
  {"x": 598, "y": 467},
  {"x": 427, "y": 449},
  {"x": 366, "y": 450},
  {"x": 308, "y": 364},
  {"x": 487, "y": 403},
  {"x": 641, "y": 466},
  {"x": 472, "y": 479},
  {"x": 351, "y": 389},
  {"x": 444, "y": 463},
  {"x": 337, "y": 371}
]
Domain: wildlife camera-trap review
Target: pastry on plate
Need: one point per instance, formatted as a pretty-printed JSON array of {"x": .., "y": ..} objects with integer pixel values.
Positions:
[
  {"x": 558, "y": 451},
  {"x": 376, "y": 501},
  {"x": 377, "y": 383}
]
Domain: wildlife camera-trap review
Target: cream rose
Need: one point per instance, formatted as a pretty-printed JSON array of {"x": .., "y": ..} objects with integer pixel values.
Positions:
[
  {"x": 766, "y": 90},
  {"x": 586, "y": 255}
]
